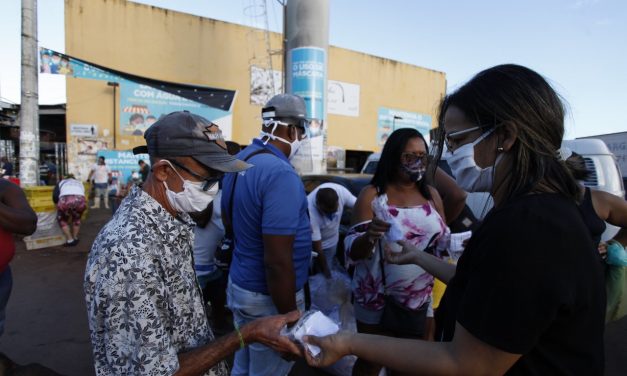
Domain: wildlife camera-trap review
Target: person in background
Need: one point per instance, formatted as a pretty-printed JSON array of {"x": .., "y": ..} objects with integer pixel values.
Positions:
[
  {"x": 415, "y": 208},
  {"x": 527, "y": 295},
  {"x": 52, "y": 171},
  {"x": 144, "y": 170},
  {"x": 145, "y": 310},
  {"x": 44, "y": 173},
  {"x": 326, "y": 204},
  {"x": 100, "y": 175},
  {"x": 69, "y": 196},
  {"x": 6, "y": 167},
  {"x": 208, "y": 235},
  {"x": 271, "y": 230},
  {"x": 597, "y": 207},
  {"x": 115, "y": 193},
  {"x": 16, "y": 217}
]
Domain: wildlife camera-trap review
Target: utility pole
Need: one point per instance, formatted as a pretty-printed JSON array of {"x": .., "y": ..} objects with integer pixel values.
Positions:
[
  {"x": 29, "y": 108},
  {"x": 306, "y": 49}
]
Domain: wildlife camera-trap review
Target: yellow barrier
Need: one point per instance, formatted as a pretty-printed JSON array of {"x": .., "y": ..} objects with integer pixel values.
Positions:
[{"x": 48, "y": 233}]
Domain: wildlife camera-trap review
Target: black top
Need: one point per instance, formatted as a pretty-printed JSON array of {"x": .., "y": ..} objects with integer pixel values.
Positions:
[
  {"x": 530, "y": 282},
  {"x": 595, "y": 225}
]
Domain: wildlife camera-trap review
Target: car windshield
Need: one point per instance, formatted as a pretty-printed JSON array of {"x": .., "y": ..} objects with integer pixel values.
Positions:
[{"x": 370, "y": 167}]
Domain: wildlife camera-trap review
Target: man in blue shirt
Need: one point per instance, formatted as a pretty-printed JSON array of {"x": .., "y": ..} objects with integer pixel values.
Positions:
[{"x": 271, "y": 230}]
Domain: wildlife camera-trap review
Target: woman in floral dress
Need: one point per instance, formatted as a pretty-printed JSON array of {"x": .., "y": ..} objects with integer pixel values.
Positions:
[{"x": 410, "y": 209}]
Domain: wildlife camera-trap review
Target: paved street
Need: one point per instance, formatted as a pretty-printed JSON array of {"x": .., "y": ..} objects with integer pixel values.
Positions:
[{"x": 47, "y": 322}]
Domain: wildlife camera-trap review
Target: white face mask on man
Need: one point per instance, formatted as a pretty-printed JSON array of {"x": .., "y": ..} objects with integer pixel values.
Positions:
[
  {"x": 468, "y": 175},
  {"x": 192, "y": 198},
  {"x": 294, "y": 145}
]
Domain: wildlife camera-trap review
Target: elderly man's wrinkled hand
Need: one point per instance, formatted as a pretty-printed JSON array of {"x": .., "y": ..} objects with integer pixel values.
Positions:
[{"x": 267, "y": 330}]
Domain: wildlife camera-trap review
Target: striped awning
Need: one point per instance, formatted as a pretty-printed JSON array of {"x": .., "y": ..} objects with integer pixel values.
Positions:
[{"x": 137, "y": 109}]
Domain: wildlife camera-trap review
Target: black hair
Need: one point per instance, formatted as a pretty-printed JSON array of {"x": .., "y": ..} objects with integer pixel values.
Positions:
[
  {"x": 516, "y": 97},
  {"x": 577, "y": 166},
  {"x": 389, "y": 164},
  {"x": 327, "y": 197}
]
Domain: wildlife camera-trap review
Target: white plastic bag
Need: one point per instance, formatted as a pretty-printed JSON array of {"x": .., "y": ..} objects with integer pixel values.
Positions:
[
  {"x": 380, "y": 210},
  {"x": 311, "y": 323}
]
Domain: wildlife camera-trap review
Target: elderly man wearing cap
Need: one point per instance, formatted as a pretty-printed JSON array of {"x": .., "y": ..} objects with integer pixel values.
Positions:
[
  {"x": 267, "y": 206},
  {"x": 146, "y": 313}
]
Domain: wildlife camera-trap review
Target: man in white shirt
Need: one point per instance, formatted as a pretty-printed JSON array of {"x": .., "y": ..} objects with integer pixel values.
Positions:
[
  {"x": 101, "y": 175},
  {"x": 326, "y": 204}
]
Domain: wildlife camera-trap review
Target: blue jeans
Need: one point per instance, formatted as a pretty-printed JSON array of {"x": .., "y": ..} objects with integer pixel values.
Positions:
[
  {"x": 329, "y": 254},
  {"x": 256, "y": 359},
  {"x": 6, "y": 283}
]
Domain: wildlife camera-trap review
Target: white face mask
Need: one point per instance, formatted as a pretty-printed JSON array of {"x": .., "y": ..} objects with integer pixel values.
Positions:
[
  {"x": 468, "y": 175},
  {"x": 192, "y": 198},
  {"x": 294, "y": 145}
]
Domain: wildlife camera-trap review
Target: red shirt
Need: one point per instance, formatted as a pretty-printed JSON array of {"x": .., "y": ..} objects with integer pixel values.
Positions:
[{"x": 7, "y": 249}]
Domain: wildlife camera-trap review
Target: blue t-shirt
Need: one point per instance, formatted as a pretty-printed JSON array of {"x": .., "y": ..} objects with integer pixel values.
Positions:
[{"x": 269, "y": 199}]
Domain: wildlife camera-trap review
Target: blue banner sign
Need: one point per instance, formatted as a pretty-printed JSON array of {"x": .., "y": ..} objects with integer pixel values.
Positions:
[{"x": 308, "y": 76}]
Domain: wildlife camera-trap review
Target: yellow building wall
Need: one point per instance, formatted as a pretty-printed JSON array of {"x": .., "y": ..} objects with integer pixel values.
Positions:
[{"x": 171, "y": 46}]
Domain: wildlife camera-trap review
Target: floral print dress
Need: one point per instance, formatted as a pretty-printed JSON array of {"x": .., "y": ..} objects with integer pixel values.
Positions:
[{"x": 410, "y": 285}]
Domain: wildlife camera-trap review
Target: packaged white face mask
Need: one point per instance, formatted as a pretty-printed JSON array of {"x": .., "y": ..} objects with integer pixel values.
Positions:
[
  {"x": 311, "y": 323},
  {"x": 380, "y": 209}
]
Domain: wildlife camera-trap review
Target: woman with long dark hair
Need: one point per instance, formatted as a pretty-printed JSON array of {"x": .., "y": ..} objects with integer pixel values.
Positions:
[
  {"x": 528, "y": 295},
  {"x": 394, "y": 300}
]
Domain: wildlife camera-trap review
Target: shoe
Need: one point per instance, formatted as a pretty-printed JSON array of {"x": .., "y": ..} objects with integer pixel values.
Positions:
[
  {"x": 69, "y": 244},
  {"x": 74, "y": 242}
]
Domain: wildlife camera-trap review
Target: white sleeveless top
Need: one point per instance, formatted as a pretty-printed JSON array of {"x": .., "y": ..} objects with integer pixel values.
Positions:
[{"x": 410, "y": 285}]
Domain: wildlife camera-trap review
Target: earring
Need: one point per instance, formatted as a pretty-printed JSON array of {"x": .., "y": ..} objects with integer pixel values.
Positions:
[{"x": 500, "y": 149}]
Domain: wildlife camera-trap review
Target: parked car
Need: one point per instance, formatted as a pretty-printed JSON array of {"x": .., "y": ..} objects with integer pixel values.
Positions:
[
  {"x": 371, "y": 163},
  {"x": 354, "y": 183}
]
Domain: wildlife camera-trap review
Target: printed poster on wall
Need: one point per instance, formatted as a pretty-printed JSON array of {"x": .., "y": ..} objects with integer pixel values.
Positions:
[
  {"x": 125, "y": 162},
  {"x": 142, "y": 105},
  {"x": 143, "y": 100},
  {"x": 343, "y": 98},
  {"x": 390, "y": 120},
  {"x": 308, "y": 73},
  {"x": 264, "y": 84}
]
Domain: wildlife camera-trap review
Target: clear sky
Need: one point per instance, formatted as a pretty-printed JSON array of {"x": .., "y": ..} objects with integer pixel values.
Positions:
[{"x": 580, "y": 45}]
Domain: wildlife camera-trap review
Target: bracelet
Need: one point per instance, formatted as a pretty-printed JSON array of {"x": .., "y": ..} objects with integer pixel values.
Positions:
[{"x": 242, "y": 344}]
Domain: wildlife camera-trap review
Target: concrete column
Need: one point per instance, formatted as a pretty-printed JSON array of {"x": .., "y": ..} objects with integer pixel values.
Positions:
[
  {"x": 307, "y": 42},
  {"x": 29, "y": 109}
]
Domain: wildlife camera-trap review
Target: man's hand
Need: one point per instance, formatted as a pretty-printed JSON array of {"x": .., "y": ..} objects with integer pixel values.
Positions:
[
  {"x": 408, "y": 255},
  {"x": 267, "y": 330},
  {"x": 332, "y": 348}
]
